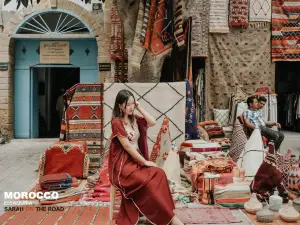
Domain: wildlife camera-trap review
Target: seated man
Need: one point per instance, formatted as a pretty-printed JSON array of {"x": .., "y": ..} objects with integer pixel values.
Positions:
[
  {"x": 261, "y": 102},
  {"x": 253, "y": 119}
]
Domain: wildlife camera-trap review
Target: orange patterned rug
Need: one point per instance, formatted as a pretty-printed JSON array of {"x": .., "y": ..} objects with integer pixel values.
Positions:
[{"x": 84, "y": 215}]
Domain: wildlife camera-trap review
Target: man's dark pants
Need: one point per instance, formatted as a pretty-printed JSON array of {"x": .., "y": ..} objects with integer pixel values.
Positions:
[{"x": 272, "y": 135}]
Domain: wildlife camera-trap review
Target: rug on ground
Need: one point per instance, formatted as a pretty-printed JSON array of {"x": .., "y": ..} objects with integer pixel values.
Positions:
[
  {"x": 206, "y": 216},
  {"x": 83, "y": 120},
  {"x": 70, "y": 215},
  {"x": 158, "y": 99}
]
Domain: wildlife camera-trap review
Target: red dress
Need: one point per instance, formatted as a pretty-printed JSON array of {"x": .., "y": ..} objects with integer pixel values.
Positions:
[{"x": 144, "y": 189}]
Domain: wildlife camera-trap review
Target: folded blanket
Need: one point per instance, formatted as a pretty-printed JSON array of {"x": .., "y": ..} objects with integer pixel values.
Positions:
[{"x": 56, "y": 181}]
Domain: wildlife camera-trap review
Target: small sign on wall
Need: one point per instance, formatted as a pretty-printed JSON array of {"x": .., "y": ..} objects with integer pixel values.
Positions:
[
  {"x": 104, "y": 67},
  {"x": 54, "y": 52},
  {"x": 3, "y": 66}
]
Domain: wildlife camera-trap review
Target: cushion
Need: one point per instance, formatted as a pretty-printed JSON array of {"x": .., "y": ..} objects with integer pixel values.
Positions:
[
  {"x": 221, "y": 116},
  {"x": 65, "y": 157}
]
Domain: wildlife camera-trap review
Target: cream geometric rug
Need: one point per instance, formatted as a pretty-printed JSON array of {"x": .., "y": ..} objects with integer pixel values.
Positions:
[{"x": 158, "y": 99}]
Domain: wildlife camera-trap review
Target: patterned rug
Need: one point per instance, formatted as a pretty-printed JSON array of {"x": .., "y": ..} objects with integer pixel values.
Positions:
[
  {"x": 218, "y": 16},
  {"x": 206, "y": 216},
  {"x": 83, "y": 119},
  {"x": 285, "y": 30},
  {"x": 158, "y": 39},
  {"x": 238, "y": 13},
  {"x": 178, "y": 21},
  {"x": 137, "y": 53},
  {"x": 260, "y": 10},
  {"x": 76, "y": 215},
  {"x": 199, "y": 42},
  {"x": 159, "y": 99},
  {"x": 237, "y": 60},
  {"x": 119, "y": 75},
  {"x": 116, "y": 34},
  {"x": 162, "y": 145}
]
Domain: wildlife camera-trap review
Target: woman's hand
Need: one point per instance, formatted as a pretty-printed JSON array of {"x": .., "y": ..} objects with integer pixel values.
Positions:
[
  {"x": 149, "y": 163},
  {"x": 137, "y": 106}
]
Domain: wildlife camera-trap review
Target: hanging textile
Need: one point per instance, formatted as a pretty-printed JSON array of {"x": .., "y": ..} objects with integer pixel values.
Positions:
[
  {"x": 291, "y": 111},
  {"x": 121, "y": 72},
  {"x": 191, "y": 129},
  {"x": 145, "y": 21},
  {"x": 158, "y": 39},
  {"x": 285, "y": 30},
  {"x": 168, "y": 26},
  {"x": 138, "y": 51},
  {"x": 116, "y": 36},
  {"x": 238, "y": 13},
  {"x": 181, "y": 57},
  {"x": 178, "y": 32},
  {"x": 260, "y": 10},
  {"x": 237, "y": 60},
  {"x": 218, "y": 16},
  {"x": 199, "y": 42},
  {"x": 189, "y": 68}
]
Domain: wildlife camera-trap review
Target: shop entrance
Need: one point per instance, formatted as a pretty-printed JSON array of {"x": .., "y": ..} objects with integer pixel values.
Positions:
[
  {"x": 48, "y": 84},
  {"x": 288, "y": 90}
]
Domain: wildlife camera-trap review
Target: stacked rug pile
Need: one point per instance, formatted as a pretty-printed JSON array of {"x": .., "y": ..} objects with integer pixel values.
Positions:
[
  {"x": 69, "y": 188},
  {"x": 213, "y": 129}
]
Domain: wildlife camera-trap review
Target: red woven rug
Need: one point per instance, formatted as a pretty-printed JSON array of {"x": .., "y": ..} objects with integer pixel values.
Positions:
[
  {"x": 83, "y": 120},
  {"x": 71, "y": 215}
]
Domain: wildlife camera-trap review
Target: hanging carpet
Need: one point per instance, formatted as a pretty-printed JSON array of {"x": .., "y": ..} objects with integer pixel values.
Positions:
[
  {"x": 260, "y": 10},
  {"x": 218, "y": 16},
  {"x": 239, "y": 59},
  {"x": 285, "y": 30},
  {"x": 238, "y": 13},
  {"x": 199, "y": 11}
]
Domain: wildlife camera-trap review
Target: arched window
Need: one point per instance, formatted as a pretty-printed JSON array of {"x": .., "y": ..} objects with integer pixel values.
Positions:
[{"x": 53, "y": 23}]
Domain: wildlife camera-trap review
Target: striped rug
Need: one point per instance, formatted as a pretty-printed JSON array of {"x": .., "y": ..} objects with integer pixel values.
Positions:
[{"x": 83, "y": 215}]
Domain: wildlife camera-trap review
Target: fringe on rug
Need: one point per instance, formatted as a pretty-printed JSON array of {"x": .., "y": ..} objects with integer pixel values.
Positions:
[{"x": 259, "y": 25}]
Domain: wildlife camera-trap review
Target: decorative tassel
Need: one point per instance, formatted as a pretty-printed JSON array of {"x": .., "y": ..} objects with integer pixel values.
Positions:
[{"x": 259, "y": 25}]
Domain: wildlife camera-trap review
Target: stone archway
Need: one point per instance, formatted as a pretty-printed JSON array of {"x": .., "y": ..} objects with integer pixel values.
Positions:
[{"x": 7, "y": 43}]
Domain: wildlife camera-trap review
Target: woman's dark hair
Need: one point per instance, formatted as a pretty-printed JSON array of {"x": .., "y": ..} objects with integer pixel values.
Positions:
[{"x": 122, "y": 97}]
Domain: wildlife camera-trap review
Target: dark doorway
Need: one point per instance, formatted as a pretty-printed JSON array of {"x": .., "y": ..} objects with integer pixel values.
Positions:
[
  {"x": 53, "y": 82},
  {"x": 288, "y": 91}
]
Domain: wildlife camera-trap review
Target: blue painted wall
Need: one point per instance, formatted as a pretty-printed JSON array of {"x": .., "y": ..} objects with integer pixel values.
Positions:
[{"x": 84, "y": 55}]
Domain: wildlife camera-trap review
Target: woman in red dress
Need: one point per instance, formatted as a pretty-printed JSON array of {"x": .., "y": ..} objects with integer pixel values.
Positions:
[{"x": 143, "y": 185}]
